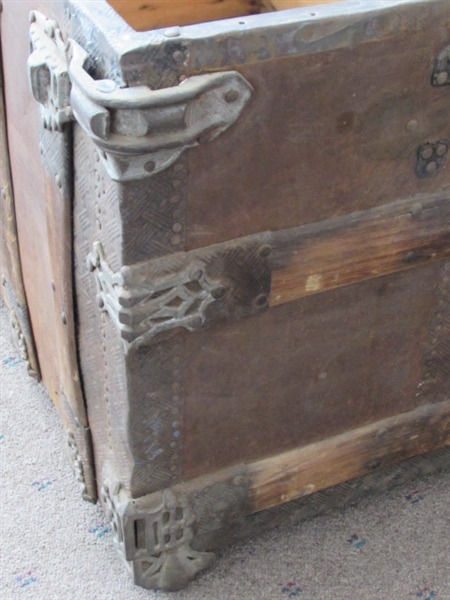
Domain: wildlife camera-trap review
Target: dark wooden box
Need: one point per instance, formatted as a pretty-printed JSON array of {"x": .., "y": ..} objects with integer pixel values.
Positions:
[{"x": 226, "y": 251}]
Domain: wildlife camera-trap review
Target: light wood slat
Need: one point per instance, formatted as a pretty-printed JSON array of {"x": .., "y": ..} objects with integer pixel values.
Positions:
[
  {"x": 319, "y": 257},
  {"x": 303, "y": 471}
]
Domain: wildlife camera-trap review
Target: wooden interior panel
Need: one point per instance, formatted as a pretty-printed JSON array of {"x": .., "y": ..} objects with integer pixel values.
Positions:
[
  {"x": 153, "y": 14},
  {"x": 306, "y": 370},
  {"x": 286, "y": 4}
]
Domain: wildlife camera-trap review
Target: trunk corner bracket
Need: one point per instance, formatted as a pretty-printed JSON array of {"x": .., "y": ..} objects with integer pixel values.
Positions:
[{"x": 138, "y": 131}]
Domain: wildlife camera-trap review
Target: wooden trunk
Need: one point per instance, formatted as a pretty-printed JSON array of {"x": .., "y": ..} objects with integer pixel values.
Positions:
[{"x": 228, "y": 234}]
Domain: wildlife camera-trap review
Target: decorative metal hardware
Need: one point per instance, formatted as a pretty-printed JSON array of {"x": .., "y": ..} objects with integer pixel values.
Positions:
[
  {"x": 140, "y": 313},
  {"x": 73, "y": 454},
  {"x": 153, "y": 535},
  {"x": 431, "y": 157},
  {"x": 441, "y": 69},
  {"x": 191, "y": 290},
  {"x": 20, "y": 343},
  {"x": 47, "y": 72},
  {"x": 138, "y": 131}
]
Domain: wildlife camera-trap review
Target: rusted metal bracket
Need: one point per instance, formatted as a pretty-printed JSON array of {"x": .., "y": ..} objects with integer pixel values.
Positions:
[
  {"x": 138, "y": 131},
  {"x": 192, "y": 290},
  {"x": 441, "y": 69},
  {"x": 153, "y": 535}
]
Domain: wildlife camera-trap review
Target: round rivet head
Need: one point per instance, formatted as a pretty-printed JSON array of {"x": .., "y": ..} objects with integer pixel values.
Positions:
[
  {"x": 175, "y": 240},
  {"x": 442, "y": 78},
  {"x": 178, "y": 56},
  {"x": 218, "y": 293},
  {"x": 261, "y": 301},
  {"x": 3, "y": 194},
  {"x": 177, "y": 227},
  {"x": 231, "y": 96},
  {"x": 441, "y": 150},
  {"x": 99, "y": 301},
  {"x": 106, "y": 86},
  {"x": 416, "y": 210},
  {"x": 197, "y": 322},
  {"x": 53, "y": 285},
  {"x": 63, "y": 318},
  {"x": 427, "y": 153},
  {"x": 431, "y": 168},
  {"x": 3, "y": 279},
  {"x": 172, "y": 32},
  {"x": 32, "y": 16},
  {"x": 197, "y": 274},
  {"x": 265, "y": 251},
  {"x": 58, "y": 181},
  {"x": 150, "y": 166},
  {"x": 412, "y": 125}
]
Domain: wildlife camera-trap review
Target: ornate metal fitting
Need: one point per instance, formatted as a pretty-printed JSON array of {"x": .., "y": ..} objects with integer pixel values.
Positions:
[
  {"x": 192, "y": 290},
  {"x": 76, "y": 463},
  {"x": 441, "y": 69},
  {"x": 47, "y": 72},
  {"x": 141, "y": 312},
  {"x": 140, "y": 131},
  {"x": 153, "y": 535},
  {"x": 431, "y": 157}
]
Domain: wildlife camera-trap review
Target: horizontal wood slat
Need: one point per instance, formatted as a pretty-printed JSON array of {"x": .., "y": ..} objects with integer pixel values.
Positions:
[
  {"x": 303, "y": 471},
  {"x": 318, "y": 257}
]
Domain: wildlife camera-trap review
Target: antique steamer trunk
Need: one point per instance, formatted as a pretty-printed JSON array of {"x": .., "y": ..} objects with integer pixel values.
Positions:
[{"x": 226, "y": 250}]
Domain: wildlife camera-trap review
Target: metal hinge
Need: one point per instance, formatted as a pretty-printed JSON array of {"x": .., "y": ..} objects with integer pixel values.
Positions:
[
  {"x": 441, "y": 69},
  {"x": 138, "y": 131}
]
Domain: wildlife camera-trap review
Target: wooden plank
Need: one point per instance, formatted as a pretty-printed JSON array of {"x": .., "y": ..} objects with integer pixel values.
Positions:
[
  {"x": 322, "y": 256},
  {"x": 152, "y": 14},
  {"x": 303, "y": 471}
]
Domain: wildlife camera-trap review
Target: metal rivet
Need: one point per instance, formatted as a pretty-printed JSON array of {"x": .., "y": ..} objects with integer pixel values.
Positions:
[
  {"x": 150, "y": 166},
  {"x": 427, "y": 153},
  {"x": 175, "y": 424},
  {"x": 58, "y": 181},
  {"x": 175, "y": 198},
  {"x": 99, "y": 301},
  {"x": 177, "y": 183},
  {"x": 231, "y": 96},
  {"x": 416, "y": 210},
  {"x": 218, "y": 293},
  {"x": 3, "y": 194},
  {"x": 238, "y": 480},
  {"x": 441, "y": 150},
  {"x": 175, "y": 240},
  {"x": 3, "y": 279},
  {"x": 53, "y": 285},
  {"x": 261, "y": 300},
  {"x": 265, "y": 251},
  {"x": 177, "y": 227},
  {"x": 172, "y": 32},
  {"x": 411, "y": 257},
  {"x": 41, "y": 149},
  {"x": 197, "y": 322},
  {"x": 64, "y": 318},
  {"x": 179, "y": 168},
  {"x": 431, "y": 168},
  {"x": 442, "y": 78},
  {"x": 412, "y": 125},
  {"x": 106, "y": 86},
  {"x": 197, "y": 274},
  {"x": 32, "y": 16},
  {"x": 178, "y": 56}
]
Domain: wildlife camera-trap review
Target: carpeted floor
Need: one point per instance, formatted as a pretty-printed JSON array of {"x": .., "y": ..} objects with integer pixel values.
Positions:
[{"x": 395, "y": 546}]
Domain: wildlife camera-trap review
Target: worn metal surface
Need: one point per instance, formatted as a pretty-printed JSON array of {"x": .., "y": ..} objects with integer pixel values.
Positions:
[
  {"x": 194, "y": 290},
  {"x": 43, "y": 212},
  {"x": 166, "y": 538}
]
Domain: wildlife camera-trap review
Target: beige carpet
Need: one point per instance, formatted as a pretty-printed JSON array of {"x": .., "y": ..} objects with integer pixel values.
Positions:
[{"x": 394, "y": 546}]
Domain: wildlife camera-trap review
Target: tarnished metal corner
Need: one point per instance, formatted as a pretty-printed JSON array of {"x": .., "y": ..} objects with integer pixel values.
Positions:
[
  {"x": 153, "y": 535},
  {"x": 193, "y": 290},
  {"x": 138, "y": 131}
]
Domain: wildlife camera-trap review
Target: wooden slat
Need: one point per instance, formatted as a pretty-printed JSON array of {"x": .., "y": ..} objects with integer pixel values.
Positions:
[
  {"x": 322, "y": 256},
  {"x": 286, "y": 4},
  {"x": 303, "y": 471},
  {"x": 143, "y": 15}
]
